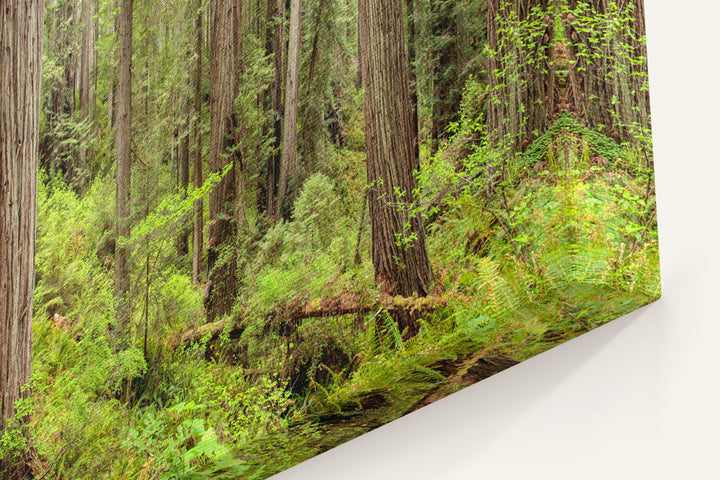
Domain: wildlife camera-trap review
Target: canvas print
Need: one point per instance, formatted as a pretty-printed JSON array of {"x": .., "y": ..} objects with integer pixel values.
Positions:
[{"x": 237, "y": 234}]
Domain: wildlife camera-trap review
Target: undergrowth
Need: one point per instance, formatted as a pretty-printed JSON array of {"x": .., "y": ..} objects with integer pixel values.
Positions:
[{"x": 563, "y": 246}]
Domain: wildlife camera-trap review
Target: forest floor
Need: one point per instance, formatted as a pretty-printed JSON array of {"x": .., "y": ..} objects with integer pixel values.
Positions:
[{"x": 311, "y": 356}]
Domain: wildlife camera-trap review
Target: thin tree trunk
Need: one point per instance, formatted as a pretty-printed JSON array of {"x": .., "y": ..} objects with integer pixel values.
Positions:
[
  {"x": 184, "y": 179},
  {"x": 446, "y": 85},
  {"x": 288, "y": 161},
  {"x": 21, "y": 35},
  {"x": 311, "y": 98},
  {"x": 86, "y": 56},
  {"x": 362, "y": 48},
  {"x": 70, "y": 67},
  {"x": 122, "y": 150},
  {"x": 410, "y": 13},
  {"x": 111, "y": 106},
  {"x": 240, "y": 167},
  {"x": 197, "y": 155},
  {"x": 277, "y": 105},
  {"x": 87, "y": 46},
  {"x": 400, "y": 257}
]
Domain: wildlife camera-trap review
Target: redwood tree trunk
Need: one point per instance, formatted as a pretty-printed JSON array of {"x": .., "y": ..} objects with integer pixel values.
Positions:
[
  {"x": 288, "y": 160},
  {"x": 412, "y": 53},
  {"x": 183, "y": 178},
  {"x": 399, "y": 253},
  {"x": 197, "y": 155},
  {"x": 222, "y": 278},
  {"x": 122, "y": 151},
  {"x": 21, "y": 33},
  {"x": 605, "y": 87},
  {"x": 277, "y": 7},
  {"x": 87, "y": 55}
]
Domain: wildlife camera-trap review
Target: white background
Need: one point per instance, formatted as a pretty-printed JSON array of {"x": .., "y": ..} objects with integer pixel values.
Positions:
[{"x": 638, "y": 398}]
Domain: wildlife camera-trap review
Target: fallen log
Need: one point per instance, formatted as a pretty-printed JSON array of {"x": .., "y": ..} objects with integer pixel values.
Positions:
[
  {"x": 211, "y": 331},
  {"x": 287, "y": 318},
  {"x": 350, "y": 303}
]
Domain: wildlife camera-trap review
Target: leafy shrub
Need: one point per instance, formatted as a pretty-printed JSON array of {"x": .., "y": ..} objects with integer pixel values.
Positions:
[
  {"x": 74, "y": 251},
  {"x": 176, "y": 444},
  {"x": 77, "y": 416},
  {"x": 13, "y": 441},
  {"x": 176, "y": 303},
  {"x": 308, "y": 257}
]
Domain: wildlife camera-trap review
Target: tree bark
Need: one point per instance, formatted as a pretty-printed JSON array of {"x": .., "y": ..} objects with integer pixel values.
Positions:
[
  {"x": 362, "y": 48},
  {"x": 183, "y": 178},
  {"x": 603, "y": 88},
  {"x": 412, "y": 54},
  {"x": 197, "y": 154},
  {"x": 312, "y": 97},
  {"x": 288, "y": 317},
  {"x": 87, "y": 56},
  {"x": 21, "y": 35},
  {"x": 240, "y": 163},
  {"x": 288, "y": 160},
  {"x": 278, "y": 49},
  {"x": 400, "y": 257},
  {"x": 123, "y": 153},
  {"x": 111, "y": 106},
  {"x": 222, "y": 277}
]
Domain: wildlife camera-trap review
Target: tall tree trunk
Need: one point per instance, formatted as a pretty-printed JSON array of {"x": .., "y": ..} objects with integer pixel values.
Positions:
[
  {"x": 400, "y": 257},
  {"x": 87, "y": 56},
  {"x": 183, "y": 178},
  {"x": 222, "y": 277},
  {"x": 111, "y": 106},
  {"x": 362, "y": 49},
  {"x": 288, "y": 161},
  {"x": 278, "y": 48},
  {"x": 123, "y": 153},
  {"x": 21, "y": 34},
  {"x": 412, "y": 52},
  {"x": 240, "y": 166},
  {"x": 197, "y": 154},
  {"x": 310, "y": 109}
]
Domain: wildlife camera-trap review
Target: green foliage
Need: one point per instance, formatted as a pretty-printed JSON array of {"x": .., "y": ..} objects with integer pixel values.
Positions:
[
  {"x": 599, "y": 144},
  {"x": 308, "y": 257},
  {"x": 603, "y": 45},
  {"x": 460, "y": 166},
  {"x": 161, "y": 222},
  {"x": 559, "y": 243},
  {"x": 75, "y": 386},
  {"x": 449, "y": 42},
  {"x": 14, "y": 439},
  {"x": 177, "y": 448},
  {"x": 74, "y": 251},
  {"x": 242, "y": 408},
  {"x": 70, "y": 142},
  {"x": 12, "y": 447},
  {"x": 176, "y": 303}
]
